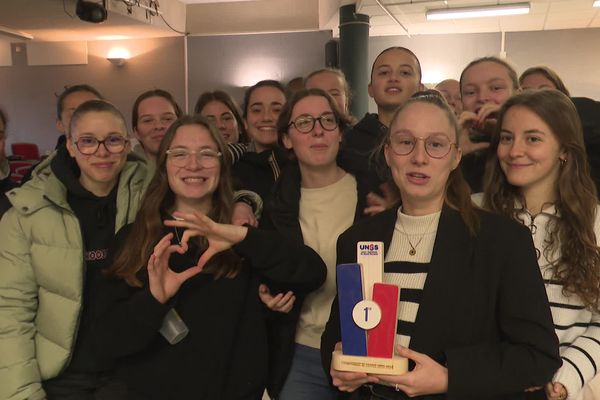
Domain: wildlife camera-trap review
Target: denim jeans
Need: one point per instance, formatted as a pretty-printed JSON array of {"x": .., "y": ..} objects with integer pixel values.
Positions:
[{"x": 307, "y": 380}]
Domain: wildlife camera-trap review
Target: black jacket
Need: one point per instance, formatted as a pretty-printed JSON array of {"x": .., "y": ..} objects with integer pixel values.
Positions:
[
  {"x": 484, "y": 311},
  {"x": 259, "y": 171},
  {"x": 281, "y": 214},
  {"x": 358, "y": 147},
  {"x": 224, "y": 356}
]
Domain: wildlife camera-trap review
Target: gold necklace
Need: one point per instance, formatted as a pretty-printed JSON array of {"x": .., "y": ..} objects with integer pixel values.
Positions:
[{"x": 413, "y": 247}]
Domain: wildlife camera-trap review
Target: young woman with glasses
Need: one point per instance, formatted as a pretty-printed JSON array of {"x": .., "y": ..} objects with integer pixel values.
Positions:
[
  {"x": 314, "y": 200},
  {"x": 181, "y": 263},
  {"x": 473, "y": 317},
  {"x": 538, "y": 175},
  {"x": 56, "y": 240}
]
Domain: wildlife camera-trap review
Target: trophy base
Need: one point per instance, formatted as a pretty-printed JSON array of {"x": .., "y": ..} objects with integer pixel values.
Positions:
[{"x": 369, "y": 365}]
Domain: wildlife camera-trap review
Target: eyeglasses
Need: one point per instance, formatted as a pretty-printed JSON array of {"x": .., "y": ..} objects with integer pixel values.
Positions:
[
  {"x": 306, "y": 123},
  {"x": 114, "y": 144},
  {"x": 207, "y": 158},
  {"x": 225, "y": 119},
  {"x": 436, "y": 146}
]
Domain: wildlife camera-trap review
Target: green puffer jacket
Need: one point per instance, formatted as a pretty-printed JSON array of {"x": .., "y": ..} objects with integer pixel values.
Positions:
[{"x": 42, "y": 275}]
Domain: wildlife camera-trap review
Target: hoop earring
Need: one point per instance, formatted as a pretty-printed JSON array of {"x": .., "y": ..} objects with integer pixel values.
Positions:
[{"x": 562, "y": 161}]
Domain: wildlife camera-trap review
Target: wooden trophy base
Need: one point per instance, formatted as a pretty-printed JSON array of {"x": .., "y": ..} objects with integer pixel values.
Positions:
[{"x": 369, "y": 365}]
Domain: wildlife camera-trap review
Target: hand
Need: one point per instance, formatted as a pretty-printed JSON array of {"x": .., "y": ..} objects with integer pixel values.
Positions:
[
  {"x": 220, "y": 236},
  {"x": 281, "y": 303},
  {"x": 466, "y": 121},
  {"x": 556, "y": 391},
  {"x": 377, "y": 204},
  {"x": 243, "y": 214},
  {"x": 349, "y": 381},
  {"x": 164, "y": 282},
  {"x": 428, "y": 377}
]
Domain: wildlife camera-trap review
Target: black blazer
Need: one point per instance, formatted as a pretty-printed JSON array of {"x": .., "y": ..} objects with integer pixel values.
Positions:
[{"x": 484, "y": 311}]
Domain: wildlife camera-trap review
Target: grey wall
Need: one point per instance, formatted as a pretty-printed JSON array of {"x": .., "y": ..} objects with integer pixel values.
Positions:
[
  {"x": 232, "y": 63},
  {"x": 574, "y": 54},
  {"x": 28, "y": 92}
]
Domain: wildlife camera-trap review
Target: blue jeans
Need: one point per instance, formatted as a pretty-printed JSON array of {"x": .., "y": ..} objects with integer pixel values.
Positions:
[{"x": 307, "y": 380}]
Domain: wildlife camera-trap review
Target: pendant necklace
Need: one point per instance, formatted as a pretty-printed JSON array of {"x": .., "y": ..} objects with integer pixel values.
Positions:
[{"x": 413, "y": 247}]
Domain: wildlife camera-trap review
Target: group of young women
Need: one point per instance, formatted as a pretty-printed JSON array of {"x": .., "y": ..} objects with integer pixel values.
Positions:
[{"x": 122, "y": 276}]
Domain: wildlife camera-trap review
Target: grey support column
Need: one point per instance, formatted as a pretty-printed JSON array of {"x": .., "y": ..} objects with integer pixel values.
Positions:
[{"x": 354, "y": 49}]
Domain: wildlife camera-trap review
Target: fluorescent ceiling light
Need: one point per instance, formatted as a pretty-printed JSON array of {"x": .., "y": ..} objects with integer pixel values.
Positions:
[
  {"x": 596, "y": 3},
  {"x": 495, "y": 10}
]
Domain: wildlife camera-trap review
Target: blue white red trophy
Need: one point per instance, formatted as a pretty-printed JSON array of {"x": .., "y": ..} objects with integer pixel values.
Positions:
[{"x": 368, "y": 315}]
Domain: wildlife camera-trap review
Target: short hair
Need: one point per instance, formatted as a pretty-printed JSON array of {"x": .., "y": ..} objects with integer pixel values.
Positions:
[
  {"x": 96, "y": 106},
  {"x": 264, "y": 83},
  {"x": 74, "y": 89},
  {"x": 401, "y": 49},
  {"x": 512, "y": 74},
  {"x": 225, "y": 98},
  {"x": 335, "y": 71},
  {"x": 153, "y": 93},
  {"x": 549, "y": 74}
]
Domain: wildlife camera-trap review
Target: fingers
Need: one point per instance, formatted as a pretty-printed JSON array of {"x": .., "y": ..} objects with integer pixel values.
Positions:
[
  {"x": 188, "y": 273},
  {"x": 373, "y": 210},
  {"x": 205, "y": 257},
  {"x": 350, "y": 381},
  {"x": 417, "y": 357},
  {"x": 162, "y": 245},
  {"x": 280, "y": 303}
]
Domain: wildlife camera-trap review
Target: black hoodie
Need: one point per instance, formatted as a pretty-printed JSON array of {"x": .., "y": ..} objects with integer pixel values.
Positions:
[{"x": 96, "y": 217}]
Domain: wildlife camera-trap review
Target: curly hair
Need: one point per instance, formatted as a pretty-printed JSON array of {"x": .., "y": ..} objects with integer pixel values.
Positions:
[{"x": 578, "y": 266}]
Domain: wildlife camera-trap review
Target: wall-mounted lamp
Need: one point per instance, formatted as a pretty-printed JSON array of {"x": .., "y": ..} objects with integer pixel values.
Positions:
[
  {"x": 118, "y": 56},
  {"x": 495, "y": 10}
]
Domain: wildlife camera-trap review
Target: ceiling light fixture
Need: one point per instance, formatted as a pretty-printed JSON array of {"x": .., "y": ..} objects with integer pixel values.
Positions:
[
  {"x": 596, "y": 3},
  {"x": 495, "y": 10}
]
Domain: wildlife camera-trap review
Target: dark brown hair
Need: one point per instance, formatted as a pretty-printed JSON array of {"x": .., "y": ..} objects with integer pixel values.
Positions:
[
  {"x": 135, "y": 113},
  {"x": 159, "y": 201},
  {"x": 229, "y": 102},
  {"x": 549, "y": 74},
  {"x": 284, "y": 120},
  {"x": 578, "y": 268}
]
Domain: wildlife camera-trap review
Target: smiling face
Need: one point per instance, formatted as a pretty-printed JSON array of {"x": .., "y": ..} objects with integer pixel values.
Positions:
[
  {"x": 155, "y": 115},
  {"x": 537, "y": 81},
  {"x": 485, "y": 82},
  {"x": 263, "y": 108},
  {"x": 420, "y": 178},
  {"x": 394, "y": 79},
  {"x": 529, "y": 152},
  {"x": 222, "y": 117},
  {"x": 99, "y": 171},
  {"x": 331, "y": 83},
  {"x": 193, "y": 184},
  {"x": 319, "y": 147}
]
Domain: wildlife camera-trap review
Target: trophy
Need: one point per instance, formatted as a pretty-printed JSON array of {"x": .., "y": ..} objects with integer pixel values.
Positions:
[{"x": 368, "y": 315}]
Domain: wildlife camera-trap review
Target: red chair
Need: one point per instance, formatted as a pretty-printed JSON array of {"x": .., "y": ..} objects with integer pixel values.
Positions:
[
  {"x": 29, "y": 151},
  {"x": 18, "y": 169}
]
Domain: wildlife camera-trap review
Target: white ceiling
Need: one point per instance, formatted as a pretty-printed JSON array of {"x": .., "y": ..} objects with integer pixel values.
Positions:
[{"x": 55, "y": 19}]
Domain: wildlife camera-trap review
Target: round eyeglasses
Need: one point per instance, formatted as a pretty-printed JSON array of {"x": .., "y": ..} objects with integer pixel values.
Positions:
[
  {"x": 306, "y": 123},
  {"x": 206, "y": 158},
  {"x": 436, "y": 146},
  {"x": 114, "y": 144}
]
